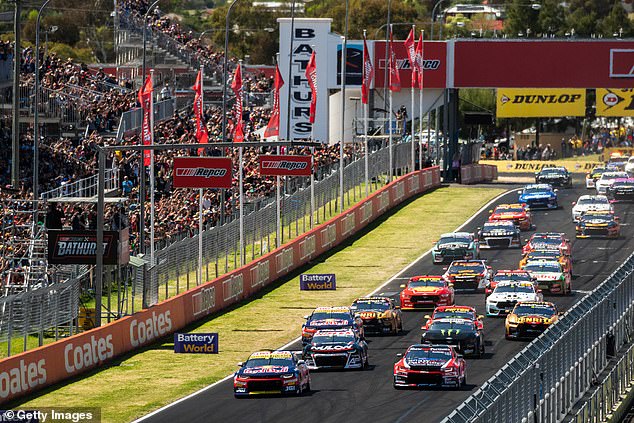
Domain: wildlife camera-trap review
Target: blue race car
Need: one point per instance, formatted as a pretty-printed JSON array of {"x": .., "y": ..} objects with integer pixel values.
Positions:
[
  {"x": 539, "y": 195},
  {"x": 271, "y": 372}
]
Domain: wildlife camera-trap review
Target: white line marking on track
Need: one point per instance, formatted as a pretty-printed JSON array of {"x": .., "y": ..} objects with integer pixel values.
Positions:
[
  {"x": 393, "y": 278},
  {"x": 581, "y": 291}
]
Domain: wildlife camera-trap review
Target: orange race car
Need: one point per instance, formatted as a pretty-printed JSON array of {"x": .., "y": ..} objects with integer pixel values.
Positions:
[
  {"x": 426, "y": 292},
  {"x": 514, "y": 212},
  {"x": 454, "y": 312},
  {"x": 548, "y": 241}
]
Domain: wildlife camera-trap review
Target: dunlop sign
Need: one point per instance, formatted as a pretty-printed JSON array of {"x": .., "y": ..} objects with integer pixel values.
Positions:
[
  {"x": 532, "y": 102},
  {"x": 615, "y": 102}
]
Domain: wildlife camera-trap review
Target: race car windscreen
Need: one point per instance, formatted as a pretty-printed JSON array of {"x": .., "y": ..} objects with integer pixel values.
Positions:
[
  {"x": 532, "y": 310},
  {"x": 498, "y": 226},
  {"x": 454, "y": 240},
  {"x": 590, "y": 217},
  {"x": 466, "y": 267},
  {"x": 628, "y": 183},
  {"x": 416, "y": 354},
  {"x": 322, "y": 315},
  {"x": 553, "y": 171},
  {"x": 514, "y": 277},
  {"x": 258, "y": 362},
  {"x": 536, "y": 190},
  {"x": 500, "y": 210},
  {"x": 549, "y": 241},
  {"x": 613, "y": 175},
  {"x": 455, "y": 314},
  {"x": 552, "y": 255},
  {"x": 593, "y": 200},
  {"x": 543, "y": 267},
  {"x": 438, "y": 283},
  {"x": 333, "y": 338},
  {"x": 516, "y": 288},
  {"x": 454, "y": 326},
  {"x": 370, "y": 305}
]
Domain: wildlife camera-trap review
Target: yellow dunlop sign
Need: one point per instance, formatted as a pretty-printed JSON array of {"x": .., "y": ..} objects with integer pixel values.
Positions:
[
  {"x": 615, "y": 102},
  {"x": 529, "y": 166},
  {"x": 537, "y": 102}
]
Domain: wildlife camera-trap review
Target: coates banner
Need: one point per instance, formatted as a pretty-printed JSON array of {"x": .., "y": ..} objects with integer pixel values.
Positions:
[
  {"x": 285, "y": 165},
  {"x": 615, "y": 102},
  {"x": 202, "y": 172},
  {"x": 434, "y": 64},
  {"x": 80, "y": 247},
  {"x": 552, "y": 102}
]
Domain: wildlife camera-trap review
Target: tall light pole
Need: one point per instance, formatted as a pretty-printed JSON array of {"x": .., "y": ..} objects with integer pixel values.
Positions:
[
  {"x": 433, "y": 18},
  {"x": 344, "y": 57},
  {"x": 36, "y": 113},
  {"x": 147, "y": 12},
  {"x": 224, "y": 78},
  {"x": 290, "y": 74}
]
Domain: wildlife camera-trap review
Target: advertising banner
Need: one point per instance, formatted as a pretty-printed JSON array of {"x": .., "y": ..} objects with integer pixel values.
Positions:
[
  {"x": 615, "y": 102},
  {"x": 196, "y": 343},
  {"x": 434, "y": 64},
  {"x": 530, "y": 166},
  {"x": 285, "y": 165},
  {"x": 552, "y": 102},
  {"x": 324, "y": 282},
  {"x": 202, "y": 172},
  {"x": 80, "y": 247}
]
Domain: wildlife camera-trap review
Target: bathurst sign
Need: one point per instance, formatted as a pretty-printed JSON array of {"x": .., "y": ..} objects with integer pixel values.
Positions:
[
  {"x": 79, "y": 247},
  {"x": 285, "y": 165}
]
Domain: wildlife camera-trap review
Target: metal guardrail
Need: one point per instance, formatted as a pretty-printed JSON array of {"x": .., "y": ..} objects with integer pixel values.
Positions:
[
  {"x": 86, "y": 187},
  {"x": 545, "y": 380},
  {"x": 132, "y": 119},
  {"x": 220, "y": 244}
]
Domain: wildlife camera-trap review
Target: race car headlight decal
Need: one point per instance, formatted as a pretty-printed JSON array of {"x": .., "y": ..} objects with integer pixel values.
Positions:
[
  {"x": 445, "y": 295},
  {"x": 308, "y": 331}
]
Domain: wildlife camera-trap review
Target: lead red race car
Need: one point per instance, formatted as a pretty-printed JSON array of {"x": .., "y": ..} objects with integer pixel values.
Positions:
[
  {"x": 430, "y": 365},
  {"x": 548, "y": 241},
  {"x": 517, "y": 213},
  {"x": 424, "y": 292}
]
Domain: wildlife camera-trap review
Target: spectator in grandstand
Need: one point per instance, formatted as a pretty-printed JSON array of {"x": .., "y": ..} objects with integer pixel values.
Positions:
[{"x": 54, "y": 217}]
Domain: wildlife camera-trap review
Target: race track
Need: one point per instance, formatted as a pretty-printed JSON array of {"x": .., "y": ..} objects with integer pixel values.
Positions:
[{"x": 368, "y": 396}]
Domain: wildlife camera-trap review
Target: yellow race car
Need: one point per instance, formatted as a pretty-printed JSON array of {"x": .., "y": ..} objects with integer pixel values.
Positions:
[
  {"x": 548, "y": 255},
  {"x": 379, "y": 314},
  {"x": 530, "y": 318}
]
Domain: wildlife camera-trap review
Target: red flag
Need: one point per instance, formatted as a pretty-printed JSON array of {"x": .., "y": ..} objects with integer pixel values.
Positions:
[
  {"x": 201, "y": 130},
  {"x": 273, "y": 128},
  {"x": 368, "y": 73},
  {"x": 145, "y": 98},
  {"x": 236, "y": 86},
  {"x": 311, "y": 75},
  {"x": 419, "y": 60},
  {"x": 410, "y": 46},
  {"x": 395, "y": 78}
]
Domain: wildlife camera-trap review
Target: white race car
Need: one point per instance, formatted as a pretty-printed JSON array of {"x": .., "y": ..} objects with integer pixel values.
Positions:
[
  {"x": 507, "y": 294},
  {"x": 587, "y": 203},
  {"x": 629, "y": 166},
  {"x": 607, "y": 179}
]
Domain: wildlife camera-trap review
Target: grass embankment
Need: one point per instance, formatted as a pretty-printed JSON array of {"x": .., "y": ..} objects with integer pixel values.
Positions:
[{"x": 274, "y": 317}]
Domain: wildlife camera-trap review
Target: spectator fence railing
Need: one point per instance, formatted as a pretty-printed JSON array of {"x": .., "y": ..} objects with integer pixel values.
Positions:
[
  {"x": 86, "y": 187},
  {"x": 553, "y": 374},
  {"x": 177, "y": 262},
  {"x": 132, "y": 119}
]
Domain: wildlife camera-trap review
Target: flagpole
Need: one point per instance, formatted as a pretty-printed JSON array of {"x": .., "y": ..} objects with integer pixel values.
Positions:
[
  {"x": 420, "y": 94},
  {"x": 278, "y": 202},
  {"x": 343, "y": 122},
  {"x": 365, "y": 125},
  {"x": 152, "y": 172},
  {"x": 241, "y": 184},
  {"x": 391, "y": 108},
  {"x": 200, "y": 193},
  {"x": 312, "y": 168},
  {"x": 413, "y": 65}
]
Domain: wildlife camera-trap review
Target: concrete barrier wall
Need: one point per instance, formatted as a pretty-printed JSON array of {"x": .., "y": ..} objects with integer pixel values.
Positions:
[{"x": 474, "y": 173}]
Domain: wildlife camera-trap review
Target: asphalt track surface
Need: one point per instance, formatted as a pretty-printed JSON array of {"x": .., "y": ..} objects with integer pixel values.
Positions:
[{"x": 368, "y": 396}]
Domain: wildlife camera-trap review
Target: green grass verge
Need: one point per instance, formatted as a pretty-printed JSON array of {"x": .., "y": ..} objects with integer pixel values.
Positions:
[{"x": 128, "y": 388}]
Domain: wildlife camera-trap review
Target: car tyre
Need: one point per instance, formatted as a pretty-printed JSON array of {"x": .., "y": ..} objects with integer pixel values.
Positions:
[{"x": 366, "y": 363}]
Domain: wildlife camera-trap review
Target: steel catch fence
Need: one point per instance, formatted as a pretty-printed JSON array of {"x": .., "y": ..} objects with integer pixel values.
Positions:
[{"x": 545, "y": 380}]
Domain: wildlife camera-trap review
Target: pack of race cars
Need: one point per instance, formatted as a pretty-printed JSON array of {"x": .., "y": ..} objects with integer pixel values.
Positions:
[{"x": 335, "y": 337}]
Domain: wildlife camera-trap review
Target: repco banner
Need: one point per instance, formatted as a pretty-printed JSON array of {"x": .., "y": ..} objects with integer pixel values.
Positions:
[
  {"x": 285, "y": 165},
  {"x": 202, "y": 172},
  {"x": 532, "y": 102}
]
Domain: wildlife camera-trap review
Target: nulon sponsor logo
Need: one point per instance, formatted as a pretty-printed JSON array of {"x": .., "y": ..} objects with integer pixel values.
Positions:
[
  {"x": 260, "y": 274},
  {"x": 24, "y": 377},
  {"x": 328, "y": 235},
  {"x": 366, "y": 212},
  {"x": 284, "y": 260},
  {"x": 307, "y": 247},
  {"x": 347, "y": 224},
  {"x": 201, "y": 172}
]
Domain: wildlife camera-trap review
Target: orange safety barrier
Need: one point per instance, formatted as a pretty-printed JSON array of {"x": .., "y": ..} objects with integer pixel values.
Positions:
[{"x": 32, "y": 370}]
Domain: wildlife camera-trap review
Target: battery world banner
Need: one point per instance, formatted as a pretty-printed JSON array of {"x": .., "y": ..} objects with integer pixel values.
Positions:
[
  {"x": 202, "y": 172},
  {"x": 196, "y": 343},
  {"x": 285, "y": 165},
  {"x": 615, "y": 102},
  {"x": 323, "y": 282},
  {"x": 80, "y": 247},
  {"x": 530, "y": 102}
]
